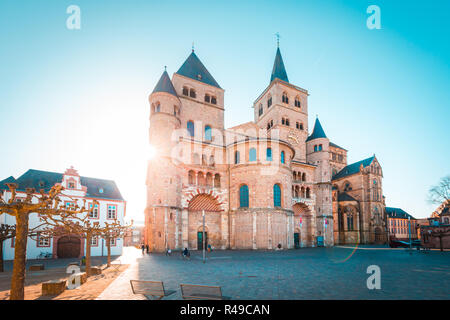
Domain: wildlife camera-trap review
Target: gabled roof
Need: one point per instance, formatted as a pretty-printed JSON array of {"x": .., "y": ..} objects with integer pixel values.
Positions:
[
  {"x": 3, "y": 183},
  {"x": 398, "y": 213},
  {"x": 278, "y": 70},
  {"x": 46, "y": 180},
  {"x": 317, "y": 131},
  {"x": 344, "y": 196},
  {"x": 353, "y": 168},
  {"x": 336, "y": 146},
  {"x": 193, "y": 68},
  {"x": 165, "y": 85}
]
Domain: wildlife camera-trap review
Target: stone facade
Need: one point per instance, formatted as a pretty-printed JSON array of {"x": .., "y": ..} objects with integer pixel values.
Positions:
[{"x": 260, "y": 185}]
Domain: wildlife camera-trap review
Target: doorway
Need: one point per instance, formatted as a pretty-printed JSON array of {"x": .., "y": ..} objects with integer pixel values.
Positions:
[
  {"x": 296, "y": 240},
  {"x": 69, "y": 247},
  {"x": 200, "y": 240}
]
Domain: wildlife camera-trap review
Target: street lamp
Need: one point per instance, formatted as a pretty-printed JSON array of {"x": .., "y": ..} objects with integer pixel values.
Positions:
[{"x": 203, "y": 236}]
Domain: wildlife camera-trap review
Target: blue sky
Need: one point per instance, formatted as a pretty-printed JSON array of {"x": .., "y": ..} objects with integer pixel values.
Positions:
[{"x": 79, "y": 97}]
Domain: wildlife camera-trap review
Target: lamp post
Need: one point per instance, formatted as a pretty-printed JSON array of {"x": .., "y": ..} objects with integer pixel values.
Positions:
[{"x": 203, "y": 236}]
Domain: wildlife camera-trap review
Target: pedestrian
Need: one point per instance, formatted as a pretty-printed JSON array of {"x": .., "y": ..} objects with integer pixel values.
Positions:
[
  {"x": 186, "y": 254},
  {"x": 147, "y": 248},
  {"x": 168, "y": 252},
  {"x": 143, "y": 249},
  {"x": 209, "y": 248}
]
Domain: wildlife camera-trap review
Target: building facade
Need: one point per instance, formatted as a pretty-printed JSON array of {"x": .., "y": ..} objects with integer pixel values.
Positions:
[
  {"x": 259, "y": 185},
  {"x": 401, "y": 224},
  {"x": 436, "y": 234},
  {"x": 76, "y": 189}
]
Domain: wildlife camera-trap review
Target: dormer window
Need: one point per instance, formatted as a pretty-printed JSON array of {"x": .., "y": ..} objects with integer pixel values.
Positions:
[
  {"x": 185, "y": 91},
  {"x": 192, "y": 93},
  {"x": 285, "y": 98}
]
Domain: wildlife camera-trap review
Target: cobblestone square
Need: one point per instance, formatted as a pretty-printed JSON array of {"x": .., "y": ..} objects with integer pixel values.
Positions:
[{"x": 309, "y": 273}]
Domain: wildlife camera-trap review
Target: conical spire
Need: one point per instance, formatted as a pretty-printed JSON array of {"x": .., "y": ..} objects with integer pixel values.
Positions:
[
  {"x": 193, "y": 68},
  {"x": 317, "y": 131},
  {"x": 165, "y": 85},
  {"x": 278, "y": 70}
]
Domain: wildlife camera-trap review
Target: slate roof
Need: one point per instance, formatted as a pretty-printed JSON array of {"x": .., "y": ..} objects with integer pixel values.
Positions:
[
  {"x": 278, "y": 70},
  {"x": 193, "y": 68},
  {"x": 165, "y": 85},
  {"x": 317, "y": 131},
  {"x": 398, "y": 213},
  {"x": 353, "y": 168},
  {"x": 45, "y": 180},
  {"x": 336, "y": 146},
  {"x": 344, "y": 196}
]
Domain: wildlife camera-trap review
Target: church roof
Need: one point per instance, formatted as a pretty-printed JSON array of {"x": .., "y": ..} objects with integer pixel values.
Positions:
[
  {"x": 353, "y": 168},
  {"x": 317, "y": 131},
  {"x": 38, "y": 180},
  {"x": 336, "y": 146},
  {"x": 344, "y": 196},
  {"x": 165, "y": 85},
  {"x": 278, "y": 70},
  {"x": 398, "y": 213},
  {"x": 193, "y": 68}
]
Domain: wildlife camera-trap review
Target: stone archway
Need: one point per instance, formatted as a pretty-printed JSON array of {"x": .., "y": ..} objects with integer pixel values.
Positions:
[
  {"x": 209, "y": 204},
  {"x": 303, "y": 222}
]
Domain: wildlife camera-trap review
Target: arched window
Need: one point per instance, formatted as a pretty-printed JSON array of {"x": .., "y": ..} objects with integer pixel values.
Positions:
[
  {"x": 203, "y": 160},
  {"x": 217, "y": 181},
  {"x": 243, "y": 196},
  {"x": 190, "y": 128},
  {"x": 308, "y": 193},
  {"x": 269, "y": 154},
  {"x": 211, "y": 161},
  {"x": 201, "y": 179},
  {"x": 304, "y": 176},
  {"x": 347, "y": 187},
  {"x": 213, "y": 100},
  {"x": 236, "y": 157},
  {"x": 208, "y": 133},
  {"x": 320, "y": 147},
  {"x": 302, "y": 192},
  {"x": 297, "y": 102},
  {"x": 285, "y": 98},
  {"x": 191, "y": 177},
  {"x": 269, "y": 124},
  {"x": 282, "y": 156},
  {"x": 269, "y": 102},
  {"x": 287, "y": 122},
  {"x": 209, "y": 179},
  {"x": 276, "y": 195},
  {"x": 207, "y": 98},
  {"x": 294, "y": 176},
  {"x": 283, "y": 121},
  {"x": 315, "y": 148},
  {"x": 350, "y": 221},
  {"x": 185, "y": 91},
  {"x": 192, "y": 93},
  {"x": 296, "y": 193},
  {"x": 252, "y": 154},
  {"x": 158, "y": 107}
]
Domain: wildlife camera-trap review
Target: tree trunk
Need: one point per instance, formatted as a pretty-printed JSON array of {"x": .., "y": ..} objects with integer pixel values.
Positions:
[
  {"x": 108, "y": 245},
  {"x": 1, "y": 256},
  {"x": 88, "y": 254},
  {"x": 20, "y": 256}
]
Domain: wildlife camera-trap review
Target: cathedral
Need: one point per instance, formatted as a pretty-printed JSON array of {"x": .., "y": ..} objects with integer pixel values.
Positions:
[{"x": 264, "y": 184}]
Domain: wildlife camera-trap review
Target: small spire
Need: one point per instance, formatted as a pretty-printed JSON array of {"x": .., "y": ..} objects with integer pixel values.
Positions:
[
  {"x": 165, "y": 68},
  {"x": 278, "y": 39},
  {"x": 192, "y": 46}
]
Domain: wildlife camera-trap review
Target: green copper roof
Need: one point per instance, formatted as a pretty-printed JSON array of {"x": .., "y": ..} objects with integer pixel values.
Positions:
[
  {"x": 165, "y": 85},
  {"x": 353, "y": 168},
  {"x": 193, "y": 68},
  {"x": 317, "y": 132},
  {"x": 278, "y": 70},
  {"x": 398, "y": 213}
]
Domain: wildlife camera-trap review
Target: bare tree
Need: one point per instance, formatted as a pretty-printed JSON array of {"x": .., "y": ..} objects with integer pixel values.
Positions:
[
  {"x": 45, "y": 205},
  {"x": 111, "y": 231},
  {"x": 6, "y": 232},
  {"x": 441, "y": 192}
]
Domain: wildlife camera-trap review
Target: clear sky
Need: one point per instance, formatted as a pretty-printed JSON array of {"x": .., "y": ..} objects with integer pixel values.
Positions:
[{"x": 80, "y": 97}]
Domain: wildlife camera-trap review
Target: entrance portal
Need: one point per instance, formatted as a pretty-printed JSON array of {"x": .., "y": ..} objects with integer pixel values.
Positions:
[
  {"x": 200, "y": 240},
  {"x": 296, "y": 240},
  {"x": 68, "y": 247}
]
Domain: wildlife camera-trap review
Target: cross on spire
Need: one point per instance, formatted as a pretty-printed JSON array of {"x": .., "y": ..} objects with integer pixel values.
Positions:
[
  {"x": 278, "y": 39},
  {"x": 192, "y": 46}
]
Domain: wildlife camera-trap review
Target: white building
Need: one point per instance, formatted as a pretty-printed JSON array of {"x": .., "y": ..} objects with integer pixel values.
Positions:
[{"x": 111, "y": 206}]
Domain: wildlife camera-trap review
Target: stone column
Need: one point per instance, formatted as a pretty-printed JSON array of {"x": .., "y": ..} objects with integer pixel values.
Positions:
[{"x": 185, "y": 228}]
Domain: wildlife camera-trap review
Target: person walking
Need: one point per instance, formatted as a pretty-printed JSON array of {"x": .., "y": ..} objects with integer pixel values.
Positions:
[
  {"x": 186, "y": 254},
  {"x": 147, "y": 248},
  {"x": 168, "y": 252},
  {"x": 143, "y": 248}
]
